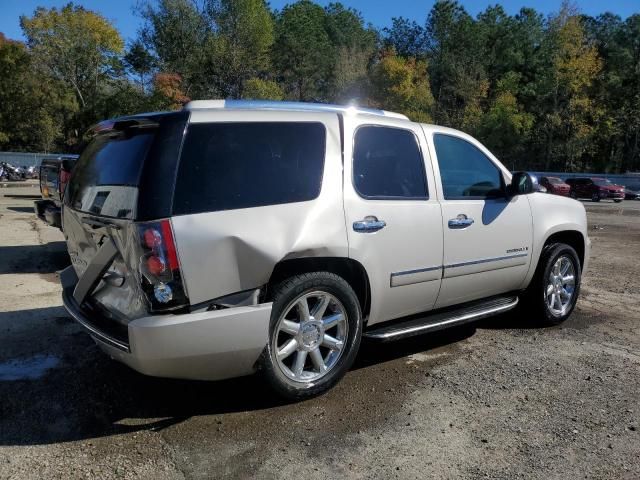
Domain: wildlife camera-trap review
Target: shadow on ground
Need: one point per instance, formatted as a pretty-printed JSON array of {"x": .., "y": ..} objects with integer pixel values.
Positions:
[
  {"x": 87, "y": 395},
  {"x": 21, "y": 209},
  {"x": 47, "y": 258},
  {"x": 28, "y": 196}
]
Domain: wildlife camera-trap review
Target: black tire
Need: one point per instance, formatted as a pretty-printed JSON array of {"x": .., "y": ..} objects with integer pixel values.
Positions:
[
  {"x": 573, "y": 195},
  {"x": 285, "y": 295},
  {"x": 595, "y": 197},
  {"x": 535, "y": 297},
  {"x": 617, "y": 200}
]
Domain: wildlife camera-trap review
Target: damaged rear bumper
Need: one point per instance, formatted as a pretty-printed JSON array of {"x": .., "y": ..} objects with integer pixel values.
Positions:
[{"x": 209, "y": 345}]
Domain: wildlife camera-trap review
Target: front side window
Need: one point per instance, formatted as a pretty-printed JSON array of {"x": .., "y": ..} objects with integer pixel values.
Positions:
[
  {"x": 388, "y": 164},
  {"x": 234, "y": 165},
  {"x": 466, "y": 172}
]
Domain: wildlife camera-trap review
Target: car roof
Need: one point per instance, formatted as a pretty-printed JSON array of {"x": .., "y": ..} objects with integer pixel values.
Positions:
[{"x": 287, "y": 106}]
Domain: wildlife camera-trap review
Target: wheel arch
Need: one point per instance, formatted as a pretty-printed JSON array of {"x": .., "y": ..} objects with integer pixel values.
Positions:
[
  {"x": 573, "y": 238},
  {"x": 350, "y": 270}
]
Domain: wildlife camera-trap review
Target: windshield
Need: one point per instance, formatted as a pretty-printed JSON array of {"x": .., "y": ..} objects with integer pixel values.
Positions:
[
  {"x": 554, "y": 180},
  {"x": 106, "y": 177}
]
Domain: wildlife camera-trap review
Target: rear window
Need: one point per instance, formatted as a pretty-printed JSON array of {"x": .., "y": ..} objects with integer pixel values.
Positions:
[
  {"x": 106, "y": 177},
  {"x": 228, "y": 166}
]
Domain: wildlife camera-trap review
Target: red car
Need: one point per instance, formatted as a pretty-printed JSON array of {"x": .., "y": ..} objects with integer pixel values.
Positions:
[
  {"x": 555, "y": 185},
  {"x": 595, "y": 188}
]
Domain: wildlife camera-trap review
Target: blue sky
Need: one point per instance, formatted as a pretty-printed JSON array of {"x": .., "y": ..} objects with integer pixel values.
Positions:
[{"x": 378, "y": 12}]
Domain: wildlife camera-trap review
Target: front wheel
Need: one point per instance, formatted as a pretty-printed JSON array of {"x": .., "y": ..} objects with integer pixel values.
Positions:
[
  {"x": 314, "y": 335},
  {"x": 554, "y": 290},
  {"x": 595, "y": 197},
  {"x": 617, "y": 200}
]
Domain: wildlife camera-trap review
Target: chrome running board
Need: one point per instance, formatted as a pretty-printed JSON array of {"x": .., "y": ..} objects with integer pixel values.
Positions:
[{"x": 440, "y": 319}]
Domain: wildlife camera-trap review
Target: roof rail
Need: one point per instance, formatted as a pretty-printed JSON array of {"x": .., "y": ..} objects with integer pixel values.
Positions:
[{"x": 278, "y": 105}]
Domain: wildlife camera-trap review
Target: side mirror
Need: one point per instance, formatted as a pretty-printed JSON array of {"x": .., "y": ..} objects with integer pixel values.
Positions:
[{"x": 522, "y": 183}]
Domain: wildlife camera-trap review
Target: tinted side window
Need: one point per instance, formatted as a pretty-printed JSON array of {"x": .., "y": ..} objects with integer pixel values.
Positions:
[
  {"x": 466, "y": 172},
  {"x": 226, "y": 166},
  {"x": 387, "y": 163}
]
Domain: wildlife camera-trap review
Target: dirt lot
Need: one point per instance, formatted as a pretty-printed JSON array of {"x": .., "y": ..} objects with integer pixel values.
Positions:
[{"x": 502, "y": 399}]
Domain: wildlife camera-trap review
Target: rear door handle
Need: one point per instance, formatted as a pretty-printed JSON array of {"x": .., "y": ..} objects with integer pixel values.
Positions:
[
  {"x": 369, "y": 224},
  {"x": 461, "y": 221}
]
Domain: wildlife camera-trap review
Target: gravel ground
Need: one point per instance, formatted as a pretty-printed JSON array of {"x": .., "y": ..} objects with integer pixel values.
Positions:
[{"x": 500, "y": 399}]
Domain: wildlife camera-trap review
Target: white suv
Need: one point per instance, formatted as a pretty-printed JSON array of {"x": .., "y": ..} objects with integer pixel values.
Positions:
[{"x": 239, "y": 236}]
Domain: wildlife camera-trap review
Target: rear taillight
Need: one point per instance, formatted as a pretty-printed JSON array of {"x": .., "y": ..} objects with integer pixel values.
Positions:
[{"x": 159, "y": 267}]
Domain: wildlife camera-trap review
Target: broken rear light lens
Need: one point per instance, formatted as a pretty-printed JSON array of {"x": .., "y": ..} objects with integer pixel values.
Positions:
[{"x": 160, "y": 273}]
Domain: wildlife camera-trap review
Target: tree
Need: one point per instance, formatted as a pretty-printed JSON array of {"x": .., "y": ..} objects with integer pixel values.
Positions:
[
  {"x": 74, "y": 45},
  {"x": 303, "y": 53},
  {"x": 178, "y": 33},
  {"x": 243, "y": 39},
  {"x": 354, "y": 46},
  {"x": 30, "y": 108},
  {"x": 168, "y": 91},
  {"x": 617, "y": 133},
  {"x": 259, "y": 89},
  {"x": 402, "y": 85},
  {"x": 505, "y": 126},
  {"x": 140, "y": 62},
  {"x": 458, "y": 79},
  {"x": 406, "y": 37},
  {"x": 568, "y": 112}
]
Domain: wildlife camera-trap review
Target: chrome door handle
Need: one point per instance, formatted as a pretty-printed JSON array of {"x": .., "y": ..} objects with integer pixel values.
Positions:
[
  {"x": 461, "y": 221},
  {"x": 369, "y": 224}
]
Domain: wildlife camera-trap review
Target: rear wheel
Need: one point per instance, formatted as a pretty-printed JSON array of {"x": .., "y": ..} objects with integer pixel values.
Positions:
[
  {"x": 554, "y": 290},
  {"x": 314, "y": 336},
  {"x": 572, "y": 194},
  {"x": 618, "y": 200},
  {"x": 595, "y": 197}
]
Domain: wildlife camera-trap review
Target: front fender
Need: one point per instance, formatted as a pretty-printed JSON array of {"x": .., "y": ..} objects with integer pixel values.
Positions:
[{"x": 553, "y": 214}]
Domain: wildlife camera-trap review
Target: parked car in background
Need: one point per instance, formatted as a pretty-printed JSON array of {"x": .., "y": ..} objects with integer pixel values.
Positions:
[
  {"x": 555, "y": 185},
  {"x": 237, "y": 236},
  {"x": 54, "y": 175},
  {"x": 595, "y": 188},
  {"x": 631, "y": 194}
]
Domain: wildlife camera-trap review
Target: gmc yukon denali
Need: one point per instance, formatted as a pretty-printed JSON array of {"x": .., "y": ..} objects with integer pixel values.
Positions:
[{"x": 235, "y": 237}]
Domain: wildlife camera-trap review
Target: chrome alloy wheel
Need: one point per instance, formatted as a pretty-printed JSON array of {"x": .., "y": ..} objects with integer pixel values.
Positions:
[
  {"x": 310, "y": 336},
  {"x": 561, "y": 286}
]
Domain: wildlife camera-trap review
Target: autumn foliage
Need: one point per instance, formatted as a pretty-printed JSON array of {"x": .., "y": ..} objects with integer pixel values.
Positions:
[{"x": 557, "y": 92}]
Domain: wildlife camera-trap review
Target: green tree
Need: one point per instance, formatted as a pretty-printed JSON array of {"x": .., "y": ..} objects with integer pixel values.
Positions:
[
  {"x": 402, "y": 85},
  {"x": 243, "y": 38},
  {"x": 140, "y": 62},
  {"x": 31, "y": 110},
  {"x": 75, "y": 45},
  {"x": 458, "y": 79},
  {"x": 406, "y": 37},
  {"x": 303, "y": 53},
  {"x": 617, "y": 91},
  {"x": 569, "y": 113},
  {"x": 259, "y": 89},
  {"x": 178, "y": 33},
  {"x": 354, "y": 46}
]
